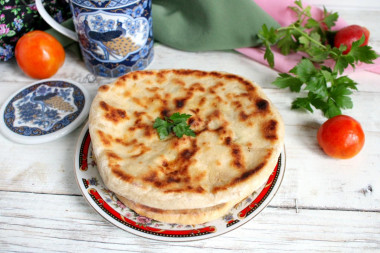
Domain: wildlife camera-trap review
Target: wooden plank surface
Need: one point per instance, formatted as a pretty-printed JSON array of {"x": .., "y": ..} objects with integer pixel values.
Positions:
[
  {"x": 338, "y": 201},
  {"x": 69, "y": 224}
]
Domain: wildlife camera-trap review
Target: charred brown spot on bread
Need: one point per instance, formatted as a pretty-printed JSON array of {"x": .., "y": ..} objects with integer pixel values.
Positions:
[
  {"x": 143, "y": 150},
  {"x": 196, "y": 122},
  {"x": 179, "y": 103},
  {"x": 237, "y": 157},
  {"x": 149, "y": 131},
  {"x": 213, "y": 89},
  {"x": 189, "y": 188},
  {"x": 221, "y": 130},
  {"x": 165, "y": 112},
  {"x": 243, "y": 116},
  {"x": 187, "y": 72},
  {"x": 237, "y": 104},
  {"x": 215, "y": 114},
  {"x": 246, "y": 175},
  {"x": 149, "y": 82},
  {"x": 151, "y": 177},
  {"x": 149, "y": 73},
  {"x": 138, "y": 114},
  {"x": 135, "y": 147},
  {"x": 175, "y": 175},
  {"x": 121, "y": 174},
  {"x": 197, "y": 87},
  {"x": 152, "y": 89},
  {"x": 113, "y": 114},
  {"x": 167, "y": 96},
  {"x": 123, "y": 78},
  {"x": 262, "y": 105},
  {"x": 215, "y": 74},
  {"x": 187, "y": 154},
  {"x": 120, "y": 82},
  {"x": 160, "y": 77},
  {"x": 112, "y": 156},
  {"x": 126, "y": 143},
  {"x": 139, "y": 102},
  {"x": 104, "y": 106},
  {"x": 116, "y": 115},
  {"x": 127, "y": 94},
  {"x": 106, "y": 139},
  {"x": 227, "y": 141},
  {"x": 199, "y": 189},
  {"x": 239, "y": 79},
  {"x": 171, "y": 179},
  {"x": 178, "y": 82},
  {"x": 135, "y": 76},
  {"x": 146, "y": 128},
  {"x": 219, "y": 99},
  {"x": 200, "y": 176},
  {"x": 104, "y": 88},
  {"x": 202, "y": 102},
  {"x": 270, "y": 129},
  {"x": 249, "y": 173},
  {"x": 195, "y": 111}
]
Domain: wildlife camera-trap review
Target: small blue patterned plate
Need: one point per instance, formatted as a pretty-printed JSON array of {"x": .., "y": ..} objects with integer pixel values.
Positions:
[{"x": 44, "y": 111}]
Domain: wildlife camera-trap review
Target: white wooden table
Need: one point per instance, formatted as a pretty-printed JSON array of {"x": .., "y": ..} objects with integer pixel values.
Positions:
[{"x": 322, "y": 205}]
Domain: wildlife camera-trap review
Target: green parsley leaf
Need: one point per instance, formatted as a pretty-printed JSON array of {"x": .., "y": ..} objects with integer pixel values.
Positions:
[
  {"x": 298, "y": 3},
  {"x": 302, "y": 103},
  {"x": 305, "y": 70},
  {"x": 269, "y": 37},
  {"x": 318, "y": 102},
  {"x": 286, "y": 80},
  {"x": 327, "y": 90},
  {"x": 330, "y": 19},
  {"x": 362, "y": 53},
  {"x": 286, "y": 42},
  {"x": 332, "y": 109},
  {"x": 176, "y": 123},
  {"x": 312, "y": 23},
  {"x": 163, "y": 128}
]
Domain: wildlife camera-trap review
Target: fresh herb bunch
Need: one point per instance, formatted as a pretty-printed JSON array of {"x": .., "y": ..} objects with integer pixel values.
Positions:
[
  {"x": 175, "y": 123},
  {"x": 327, "y": 90}
]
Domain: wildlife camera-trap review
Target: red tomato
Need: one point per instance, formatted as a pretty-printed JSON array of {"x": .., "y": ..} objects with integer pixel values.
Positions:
[
  {"x": 341, "y": 137},
  {"x": 39, "y": 54},
  {"x": 350, "y": 34}
]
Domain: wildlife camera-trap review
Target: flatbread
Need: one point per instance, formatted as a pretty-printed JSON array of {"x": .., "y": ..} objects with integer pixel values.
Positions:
[
  {"x": 239, "y": 136},
  {"x": 181, "y": 216}
]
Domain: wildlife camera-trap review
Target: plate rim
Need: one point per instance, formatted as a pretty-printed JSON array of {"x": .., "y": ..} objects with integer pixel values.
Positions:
[
  {"x": 113, "y": 221},
  {"x": 22, "y": 139}
]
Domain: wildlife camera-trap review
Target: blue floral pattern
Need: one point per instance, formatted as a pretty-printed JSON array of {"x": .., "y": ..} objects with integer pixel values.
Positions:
[
  {"x": 114, "y": 41},
  {"x": 44, "y": 108},
  {"x": 105, "y": 4}
]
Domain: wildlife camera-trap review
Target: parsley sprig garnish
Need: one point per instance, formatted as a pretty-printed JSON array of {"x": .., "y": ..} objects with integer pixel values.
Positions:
[
  {"x": 326, "y": 88},
  {"x": 176, "y": 123}
]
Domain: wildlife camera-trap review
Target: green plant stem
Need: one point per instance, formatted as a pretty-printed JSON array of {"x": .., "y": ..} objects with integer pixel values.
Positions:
[
  {"x": 308, "y": 37},
  {"x": 303, "y": 34}
]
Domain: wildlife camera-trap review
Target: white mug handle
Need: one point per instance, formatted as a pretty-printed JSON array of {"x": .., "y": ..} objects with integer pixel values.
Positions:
[{"x": 60, "y": 28}]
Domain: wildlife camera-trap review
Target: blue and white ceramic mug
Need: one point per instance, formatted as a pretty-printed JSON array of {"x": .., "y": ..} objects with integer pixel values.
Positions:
[{"x": 115, "y": 36}]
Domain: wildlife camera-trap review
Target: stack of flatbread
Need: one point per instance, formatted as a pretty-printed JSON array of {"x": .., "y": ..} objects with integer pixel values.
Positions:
[{"x": 188, "y": 180}]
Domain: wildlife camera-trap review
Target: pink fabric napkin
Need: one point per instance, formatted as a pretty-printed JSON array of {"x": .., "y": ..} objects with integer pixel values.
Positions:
[{"x": 284, "y": 16}]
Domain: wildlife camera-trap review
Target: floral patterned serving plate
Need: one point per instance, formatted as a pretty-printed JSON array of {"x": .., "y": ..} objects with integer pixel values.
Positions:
[
  {"x": 44, "y": 111},
  {"x": 107, "y": 204}
]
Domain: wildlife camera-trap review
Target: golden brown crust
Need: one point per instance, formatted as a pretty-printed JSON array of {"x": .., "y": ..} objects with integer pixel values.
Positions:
[
  {"x": 239, "y": 138},
  {"x": 181, "y": 216}
]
